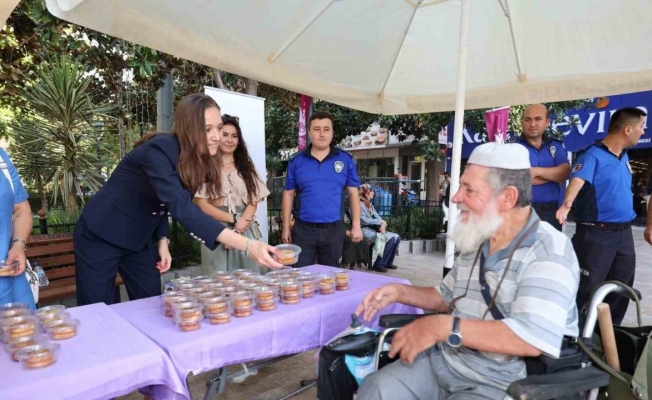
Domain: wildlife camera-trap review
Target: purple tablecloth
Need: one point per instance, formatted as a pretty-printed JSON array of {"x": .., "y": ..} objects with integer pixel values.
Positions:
[
  {"x": 107, "y": 358},
  {"x": 289, "y": 329}
]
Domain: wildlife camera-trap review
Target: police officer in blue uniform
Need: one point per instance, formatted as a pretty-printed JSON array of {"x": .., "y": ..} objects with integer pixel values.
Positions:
[
  {"x": 125, "y": 225},
  {"x": 601, "y": 182},
  {"x": 314, "y": 194},
  {"x": 549, "y": 161}
]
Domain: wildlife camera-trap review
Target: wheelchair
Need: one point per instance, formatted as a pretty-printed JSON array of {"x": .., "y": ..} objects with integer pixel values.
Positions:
[{"x": 582, "y": 382}]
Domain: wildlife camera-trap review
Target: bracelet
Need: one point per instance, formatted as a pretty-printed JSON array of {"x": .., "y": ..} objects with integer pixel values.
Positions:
[
  {"x": 246, "y": 250},
  {"x": 18, "y": 240}
]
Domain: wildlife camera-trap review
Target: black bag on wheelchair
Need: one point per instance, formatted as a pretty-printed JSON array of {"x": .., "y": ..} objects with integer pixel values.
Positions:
[{"x": 335, "y": 381}]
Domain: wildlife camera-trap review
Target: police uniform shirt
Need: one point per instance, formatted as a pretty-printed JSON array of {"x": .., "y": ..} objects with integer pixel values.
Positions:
[
  {"x": 607, "y": 192},
  {"x": 320, "y": 185},
  {"x": 551, "y": 154}
]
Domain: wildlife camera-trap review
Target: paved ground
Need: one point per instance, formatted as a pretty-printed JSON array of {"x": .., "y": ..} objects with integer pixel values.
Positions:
[{"x": 422, "y": 270}]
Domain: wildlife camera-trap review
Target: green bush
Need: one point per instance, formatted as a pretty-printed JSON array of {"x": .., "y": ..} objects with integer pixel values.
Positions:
[
  {"x": 416, "y": 222},
  {"x": 184, "y": 249},
  {"x": 59, "y": 221}
]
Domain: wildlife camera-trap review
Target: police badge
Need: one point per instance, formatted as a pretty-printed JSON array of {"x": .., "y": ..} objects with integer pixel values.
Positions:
[
  {"x": 553, "y": 151},
  {"x": 339, "y": 166}
]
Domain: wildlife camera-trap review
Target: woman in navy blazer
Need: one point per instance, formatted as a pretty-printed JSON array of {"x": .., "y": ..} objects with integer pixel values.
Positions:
[{"x": 124, "y": 227}]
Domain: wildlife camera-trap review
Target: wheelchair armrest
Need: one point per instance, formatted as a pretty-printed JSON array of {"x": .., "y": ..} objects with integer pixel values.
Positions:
[
  {"x": 558, "y": 384},
  {"x": 397, "y": 320}
]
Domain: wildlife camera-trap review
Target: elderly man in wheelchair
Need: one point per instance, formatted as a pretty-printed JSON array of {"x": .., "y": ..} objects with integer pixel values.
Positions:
[{"x": 508, "y": 301}]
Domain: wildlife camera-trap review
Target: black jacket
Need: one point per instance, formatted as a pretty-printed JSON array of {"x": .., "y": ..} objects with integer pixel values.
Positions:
[{"x": 131, "y": 210}]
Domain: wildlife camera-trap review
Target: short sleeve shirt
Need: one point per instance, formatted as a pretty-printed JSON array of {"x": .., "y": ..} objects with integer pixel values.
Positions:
[
  {"x": 8, "y": 199},
  {"x": 537, "y": 299},
  {"x": 551, "y": 154},
  {"x": 234, "y": 192},
  {"x": 607, "y": 192},
  {"x": 320, "y": 184}
]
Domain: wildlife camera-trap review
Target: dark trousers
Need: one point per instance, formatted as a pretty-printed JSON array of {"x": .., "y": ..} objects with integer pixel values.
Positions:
[
  {"x": 604, "y": 255},
  {"x": 97, "y": 263},
  {"x": 324, "y": 243},
  {"x": 391, "y": 247},
  {"x": 549, "y": 217}
]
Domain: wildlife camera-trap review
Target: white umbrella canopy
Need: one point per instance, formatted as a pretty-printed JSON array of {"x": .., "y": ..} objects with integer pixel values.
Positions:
[
  {"x": 6, "y": 8},
  {"x": 400, "y": 56},
  {"x": 397, "y": 56}
]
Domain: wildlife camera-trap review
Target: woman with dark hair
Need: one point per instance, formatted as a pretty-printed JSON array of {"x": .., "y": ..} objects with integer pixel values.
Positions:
[
  {"x": 236, "y": 202},
  {"x": 124, "y": 227}
]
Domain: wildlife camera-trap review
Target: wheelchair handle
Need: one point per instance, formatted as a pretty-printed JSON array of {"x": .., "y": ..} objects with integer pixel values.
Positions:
[
  {"x": 599, "y": 293},
  {"x": 397, "y": 320}
]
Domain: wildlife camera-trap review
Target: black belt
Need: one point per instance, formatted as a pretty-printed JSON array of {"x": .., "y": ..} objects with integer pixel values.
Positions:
[
  {"x": 550, "y": 206},
  {"x": 318, "y": 225},
  {"x": 607, "y": 226}
]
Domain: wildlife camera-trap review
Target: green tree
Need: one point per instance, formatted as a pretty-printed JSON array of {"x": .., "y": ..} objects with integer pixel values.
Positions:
[
  {"x": 33, "y": 157},
  {"x": 63, "y": 113}
]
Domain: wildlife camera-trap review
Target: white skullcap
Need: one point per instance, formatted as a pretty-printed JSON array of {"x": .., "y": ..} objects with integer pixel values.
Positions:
[{"x": 501, "y": 155}]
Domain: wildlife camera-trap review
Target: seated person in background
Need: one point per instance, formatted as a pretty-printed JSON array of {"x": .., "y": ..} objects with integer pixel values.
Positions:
[
  {"x": 354, "y": 254},
  {"x": 530, "y": 275},
  {"x": 372, "y": 224}
]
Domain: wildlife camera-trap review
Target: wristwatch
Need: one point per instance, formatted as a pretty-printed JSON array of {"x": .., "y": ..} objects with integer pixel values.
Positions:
[
  {"x": 455, "y": 337},
  {"x": 18, "y": 240}
]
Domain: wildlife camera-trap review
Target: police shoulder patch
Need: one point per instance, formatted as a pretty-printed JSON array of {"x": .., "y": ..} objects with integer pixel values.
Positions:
[
  {"x": 577, "y": 167},
  {"x": 339, "y": 166}
]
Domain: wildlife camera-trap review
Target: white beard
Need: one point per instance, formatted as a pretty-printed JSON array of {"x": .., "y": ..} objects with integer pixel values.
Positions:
[{"x": 468, "y": 236}]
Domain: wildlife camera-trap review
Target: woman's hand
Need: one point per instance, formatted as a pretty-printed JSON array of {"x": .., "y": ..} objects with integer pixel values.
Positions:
[
  {"x": 164, "y": 253},
  {"x": 383, "y": 226},
  {"x": 17, "y": 253},
  {"x": 260, "y": 252},
  {"x": 243, "y": 223}
]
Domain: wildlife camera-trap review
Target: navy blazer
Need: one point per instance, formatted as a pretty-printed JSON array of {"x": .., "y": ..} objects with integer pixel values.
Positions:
[{"x": 131, "y": 209}]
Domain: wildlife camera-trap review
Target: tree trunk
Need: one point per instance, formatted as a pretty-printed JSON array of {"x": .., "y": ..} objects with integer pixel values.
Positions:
[
  {"x": 432, "y": 181},
  {"x": 251, "y": 87},
  {"x": 121, "y": 126},
  {"x": 71, "y": 204},
  {"x": 217, "y": 74},
  {"x": 41, "y": 194}
]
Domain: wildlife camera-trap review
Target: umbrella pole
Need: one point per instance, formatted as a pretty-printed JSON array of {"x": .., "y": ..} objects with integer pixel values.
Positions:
[{"x": 458, "y": 129}]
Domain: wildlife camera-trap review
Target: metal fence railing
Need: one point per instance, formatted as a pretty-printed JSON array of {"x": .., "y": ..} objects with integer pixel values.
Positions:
[
  {"x": 388, "y": 192},
  {"x": 424, "y": 221}
]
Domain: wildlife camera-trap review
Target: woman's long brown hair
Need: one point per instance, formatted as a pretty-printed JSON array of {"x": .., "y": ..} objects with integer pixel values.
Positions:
[
  {"x": 196, "y": 166},
  {"x": 243, "y": 162}
]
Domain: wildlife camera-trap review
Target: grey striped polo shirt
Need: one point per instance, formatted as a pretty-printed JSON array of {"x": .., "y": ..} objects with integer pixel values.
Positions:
[{"x": 537, "y": 299}]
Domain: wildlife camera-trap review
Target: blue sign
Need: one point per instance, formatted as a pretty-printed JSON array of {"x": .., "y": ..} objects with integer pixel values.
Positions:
[{"x": 591, "y": 124}]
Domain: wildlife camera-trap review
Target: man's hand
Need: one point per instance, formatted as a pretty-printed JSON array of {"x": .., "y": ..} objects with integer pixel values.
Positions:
[
  {"x": 647, "y": 235},
  {"x": 420, "y": 335},
  {"x": 563, "y": 211},
  {"x": 356, "y": 234},
  {"x": 376, "y": 300},
  {"x": 17, "y": 253},
  {"x": 286, "y": 235}
]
